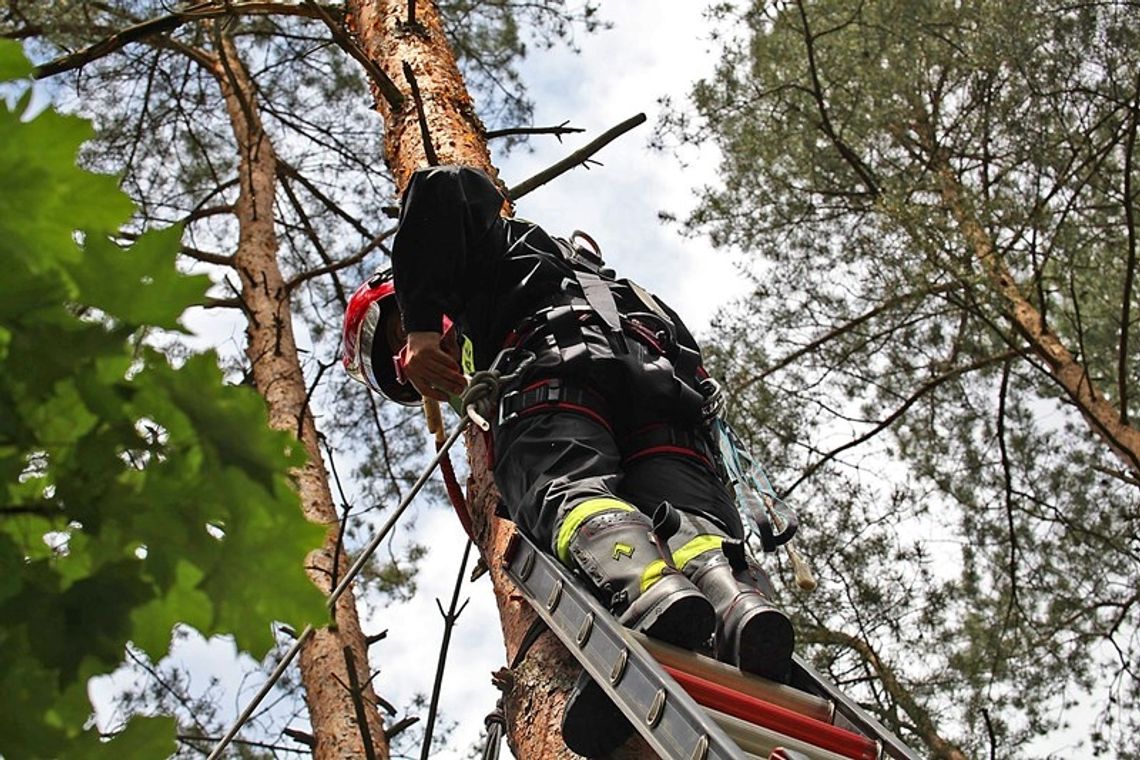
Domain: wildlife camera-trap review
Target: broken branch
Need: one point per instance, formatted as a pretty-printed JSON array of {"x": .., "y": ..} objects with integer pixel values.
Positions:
[
  {"x": 165, "y": 24},
  {"x": 557, "y": 131},
  {"x": 580, "y": 156},
  {"x": 425, "y": 134}
]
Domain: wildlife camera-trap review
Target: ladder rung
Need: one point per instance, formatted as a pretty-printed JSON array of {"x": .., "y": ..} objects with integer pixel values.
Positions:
[
  {"x": 759, "y": 741},
  {"x": 726, "y": 675},
  {"x": 774, "y": 718}
]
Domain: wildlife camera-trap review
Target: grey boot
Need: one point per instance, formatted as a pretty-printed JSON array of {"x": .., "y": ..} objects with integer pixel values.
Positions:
[
  {"x": 751, "y": 633},
  {"x": 617, "y": 551}
]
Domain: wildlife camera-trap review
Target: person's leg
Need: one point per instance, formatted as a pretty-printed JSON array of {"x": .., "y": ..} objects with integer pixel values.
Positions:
[
  {"x": 558, "y": 472},
  {"x": 751, "y": 633}
]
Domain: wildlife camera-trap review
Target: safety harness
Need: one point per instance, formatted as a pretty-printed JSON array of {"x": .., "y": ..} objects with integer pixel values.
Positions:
[{"x": 562, "y": 324}]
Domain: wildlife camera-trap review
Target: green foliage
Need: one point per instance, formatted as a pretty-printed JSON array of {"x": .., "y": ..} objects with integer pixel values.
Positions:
[
  {"x": 136, "y": 495},
  {"x": 918, "y": 423}
]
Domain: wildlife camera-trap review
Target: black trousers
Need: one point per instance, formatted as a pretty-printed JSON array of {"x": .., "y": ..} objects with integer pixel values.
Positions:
[{"x": 550, "y": 459}]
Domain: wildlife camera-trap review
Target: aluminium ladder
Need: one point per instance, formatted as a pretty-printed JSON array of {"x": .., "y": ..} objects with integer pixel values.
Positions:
[{"x": 689, "y": 707}]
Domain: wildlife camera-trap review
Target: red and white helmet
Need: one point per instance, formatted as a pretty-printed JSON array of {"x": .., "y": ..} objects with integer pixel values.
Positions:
[{"x": 367, "y": 359}]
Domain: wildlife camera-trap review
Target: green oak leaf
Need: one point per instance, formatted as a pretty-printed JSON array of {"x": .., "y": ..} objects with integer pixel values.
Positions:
[
  {"x": 11, "y": 565},
  {"x": 254, "y": 579},
  {"x": 40, "y": 161},
  {"x": 138, "y": 285},
  {"x": 106, "y": 450},
  {"x": 232, "y": 424},
  {"x": 152, "y": 624},
  {"x": 13, "y": 64}
]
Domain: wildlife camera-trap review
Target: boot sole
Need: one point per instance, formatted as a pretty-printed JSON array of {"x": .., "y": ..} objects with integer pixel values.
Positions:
[
  {"x": 592, "y": 725},
  {"x": 764, "y": 645},
  {"x": 683, "y": 618}
]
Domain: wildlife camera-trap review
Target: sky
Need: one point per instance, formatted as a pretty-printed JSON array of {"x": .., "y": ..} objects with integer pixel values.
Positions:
[{"x": 653, "y": 49}]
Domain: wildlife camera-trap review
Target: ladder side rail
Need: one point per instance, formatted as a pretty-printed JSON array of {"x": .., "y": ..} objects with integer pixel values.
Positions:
[
  {"x": 659, "y": 709},
  {"x": 852, "y": 711}
]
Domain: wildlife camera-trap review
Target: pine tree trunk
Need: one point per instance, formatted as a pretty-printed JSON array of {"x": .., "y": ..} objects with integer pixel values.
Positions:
[
  {"x": 277, "y": 375},
  {"x": 538, "y": 685}
]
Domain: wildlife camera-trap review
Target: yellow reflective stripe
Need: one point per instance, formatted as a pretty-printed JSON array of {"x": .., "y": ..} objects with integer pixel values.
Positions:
[
  {"x": 695, "y": 548},
  {"x": 652, "y": 573},
  {"x": 579, "y": 515},
  {"x": 468, "y": 356}
]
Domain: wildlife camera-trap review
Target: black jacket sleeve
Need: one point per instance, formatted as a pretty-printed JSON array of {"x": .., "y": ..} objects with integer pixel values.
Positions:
[{"x": 450, "y": 233}]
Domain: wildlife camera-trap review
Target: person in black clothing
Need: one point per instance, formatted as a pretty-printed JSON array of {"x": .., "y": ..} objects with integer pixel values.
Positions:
[{"x": 603, "y": 438}]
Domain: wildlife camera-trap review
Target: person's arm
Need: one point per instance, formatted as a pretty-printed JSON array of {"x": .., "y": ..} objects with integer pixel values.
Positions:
[{"x": 450, "y": 229}]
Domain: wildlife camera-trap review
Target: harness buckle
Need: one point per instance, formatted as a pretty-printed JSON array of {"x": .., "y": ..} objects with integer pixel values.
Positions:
[
  {"x": 507, "y": 412},
  {"x": 553, "y": 392}
]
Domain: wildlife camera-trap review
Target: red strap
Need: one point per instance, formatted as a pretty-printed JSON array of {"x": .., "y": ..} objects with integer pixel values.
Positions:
[
  {"x": 669, "y": 449},
  {"x": 565, "y": 406},
  {"x": 455, "y": 493}
]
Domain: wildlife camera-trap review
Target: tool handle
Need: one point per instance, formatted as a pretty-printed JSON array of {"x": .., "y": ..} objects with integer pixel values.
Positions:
[{"x": 434, "y": 419}]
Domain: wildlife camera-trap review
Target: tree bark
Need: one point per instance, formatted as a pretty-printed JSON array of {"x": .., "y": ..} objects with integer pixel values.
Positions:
[
  {"x": 536, "y": 689},
  {"x": 277, "y": 375}
]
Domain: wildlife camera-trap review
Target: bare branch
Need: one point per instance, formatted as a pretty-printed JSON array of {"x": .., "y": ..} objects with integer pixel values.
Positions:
[
  {"x": 825, "y": 124},
  {"x": 897, "y": 413},
  {"x": 285, "y": 169},
  {"x": 208, "y": 257},
  {"x": 425, "y": 133},
  {"x": 924, "y": 724},
  {"x": 168, "y": 23},
  {"x": 557, "y": 131},
  {"x": 300, "y": 736},
  {"x": 1130, "y": 265},
  {"x": 400, "y": 726},
  {"x": 844, "y": 328},
  {"x": 387, "y": 88},
  {"x": 580, "y": 156},
  {"x": 223, "y": 303},
  {"x": 449, "y": 620},
  {"x": 358, "y": 704},
  {"x": 337, "y": 265}
]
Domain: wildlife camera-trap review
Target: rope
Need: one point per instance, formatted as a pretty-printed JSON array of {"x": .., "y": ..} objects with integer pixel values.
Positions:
[
  {"x": 496, "y": 723},
  {"x": 478, "y": 402}
]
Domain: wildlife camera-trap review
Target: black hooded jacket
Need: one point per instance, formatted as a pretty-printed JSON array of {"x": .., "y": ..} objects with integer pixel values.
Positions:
[{"x": 455, "y": 254}]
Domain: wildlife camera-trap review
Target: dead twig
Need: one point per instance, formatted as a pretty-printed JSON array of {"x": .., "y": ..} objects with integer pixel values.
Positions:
[
  {"x": 425, "y": 133},
  {"x": 449, "y": 619},
  {"x": 578, "y": 157},
  {"x": 557, "y": 131}
]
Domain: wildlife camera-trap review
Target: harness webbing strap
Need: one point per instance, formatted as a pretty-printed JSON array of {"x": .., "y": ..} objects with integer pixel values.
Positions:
[
  {"x": 554, "y": 395},
  {"x": 662, "y": 438},
  {"x": 601, "y": 299}
]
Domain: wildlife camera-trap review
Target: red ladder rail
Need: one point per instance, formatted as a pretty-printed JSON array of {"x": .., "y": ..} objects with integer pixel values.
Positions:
[{"x": 774, "y": 717}]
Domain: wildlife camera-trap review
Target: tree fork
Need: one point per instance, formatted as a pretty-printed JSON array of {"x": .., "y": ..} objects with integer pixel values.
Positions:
[{"x": 534, "y": 705}]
